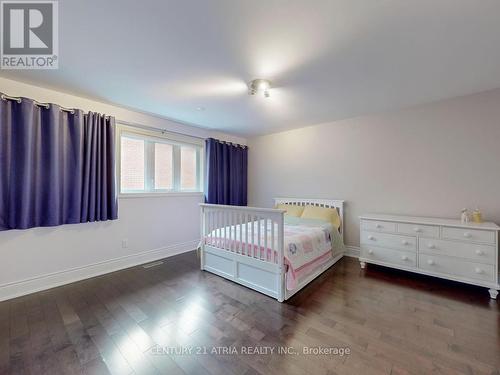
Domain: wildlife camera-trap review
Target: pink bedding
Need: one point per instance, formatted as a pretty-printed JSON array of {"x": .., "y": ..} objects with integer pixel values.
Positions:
[{"x": 306, "y": 246}]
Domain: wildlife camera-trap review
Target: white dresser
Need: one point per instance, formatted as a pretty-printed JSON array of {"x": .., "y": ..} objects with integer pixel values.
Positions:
[{"x": 438, "y": 247}]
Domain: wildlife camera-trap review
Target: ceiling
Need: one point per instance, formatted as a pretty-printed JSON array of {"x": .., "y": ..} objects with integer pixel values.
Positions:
[{"x": 327, "y": 59}]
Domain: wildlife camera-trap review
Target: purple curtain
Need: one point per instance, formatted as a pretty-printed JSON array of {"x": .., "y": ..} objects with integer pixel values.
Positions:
[
  {"x": 226, "y": 173},
  {"x": 56, "y": 167}
]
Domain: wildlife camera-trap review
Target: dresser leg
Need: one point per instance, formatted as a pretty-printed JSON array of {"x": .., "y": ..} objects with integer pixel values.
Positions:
[
  {"x": 363, "y": 266},
  {"x": 493, "y": 293}
]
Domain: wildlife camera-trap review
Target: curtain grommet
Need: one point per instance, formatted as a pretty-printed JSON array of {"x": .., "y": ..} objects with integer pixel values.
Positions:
[{"x": 6, "y": 97}]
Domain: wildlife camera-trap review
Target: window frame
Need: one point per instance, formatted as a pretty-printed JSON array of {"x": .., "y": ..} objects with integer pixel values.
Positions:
[{"x": 150, "y": 137}]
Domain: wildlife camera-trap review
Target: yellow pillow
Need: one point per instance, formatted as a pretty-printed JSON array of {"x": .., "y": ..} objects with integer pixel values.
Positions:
[
  {"x": 291, "y": 209},
  {"x": 322, "y": 213}
]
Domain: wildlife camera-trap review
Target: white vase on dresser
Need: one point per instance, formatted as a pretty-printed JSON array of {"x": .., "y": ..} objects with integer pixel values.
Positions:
[{"x": 443, "y": 248}]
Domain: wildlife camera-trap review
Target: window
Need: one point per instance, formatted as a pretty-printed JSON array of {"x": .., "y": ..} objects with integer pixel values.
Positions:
[
  {"x": 132, "y": 158},
  {"x": 164, "y": 176},
  {"x": 155, "y": 164},
  {"x": 188, "y": 168}
]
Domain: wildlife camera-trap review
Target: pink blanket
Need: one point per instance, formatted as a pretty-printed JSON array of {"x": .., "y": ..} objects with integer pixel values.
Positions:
[{"x": 306, "y": 246}]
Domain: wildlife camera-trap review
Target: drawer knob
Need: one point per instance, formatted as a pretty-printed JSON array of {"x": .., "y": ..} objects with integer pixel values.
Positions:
[
  {"x": 417, "y": 229},
  {"x": 404, "y": 242},
  {"x": 371, "y": 237},
  {"x": 370, "y": 251},
  {"x": 479, "y": 252},
  {"x": 467, "y": 235},
  {"x": 479, "y": 270},
  {"x": 430, "y": 261},
  {"x": 404, "y": 257},
  {"x": 378, "y": 226},
  {"x": 431, "y": 246}
]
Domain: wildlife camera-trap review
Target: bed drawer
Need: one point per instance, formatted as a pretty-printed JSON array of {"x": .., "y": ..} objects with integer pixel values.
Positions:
[
  {"x": 419, "y": 230},
  {"x": 456, "y": 267},
  {"x": 392, "y": 241},
  {"x": 475, "y": 252},
  {"x": 389, "y": 256},
  {"x": 465, "y": 234},
  {"x": 378, "y": 226}
]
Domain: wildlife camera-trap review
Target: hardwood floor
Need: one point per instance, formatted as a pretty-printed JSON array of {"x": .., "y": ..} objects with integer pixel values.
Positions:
[{"x": 138, "y": 321}]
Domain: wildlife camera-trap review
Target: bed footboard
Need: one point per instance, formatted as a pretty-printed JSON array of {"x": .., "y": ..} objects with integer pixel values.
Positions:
[{"x": 245, "y": 245}]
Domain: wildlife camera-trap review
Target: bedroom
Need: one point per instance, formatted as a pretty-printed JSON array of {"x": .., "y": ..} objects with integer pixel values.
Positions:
[{"x": 249, "y": 187}]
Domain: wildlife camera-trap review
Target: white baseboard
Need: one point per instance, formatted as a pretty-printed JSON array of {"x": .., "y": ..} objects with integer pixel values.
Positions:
[
  {"x": 352, "y": 251},
  {"x": 36, "y": 284}
]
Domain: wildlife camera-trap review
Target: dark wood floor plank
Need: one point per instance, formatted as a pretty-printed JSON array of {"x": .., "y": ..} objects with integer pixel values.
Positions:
[
  {"x": 18, "y": 318},
  {"x": 96, "y": 367},
  {"x": 109, "y": 352},
  {"x": 55, "y": 325},
  {"x": 393, "y": 322},
  {"x": 44, "y": 359},
  {"x": 135, "y": 357},
  {"x": 68, "y": 362},
  {"x": 4, "y": 336},
  {"x": 19, "y": 343},
  {"x": 80, "y": 340}
]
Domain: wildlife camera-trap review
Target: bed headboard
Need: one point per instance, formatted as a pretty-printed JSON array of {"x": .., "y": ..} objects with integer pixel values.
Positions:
[{"x": 328, "y": 203}]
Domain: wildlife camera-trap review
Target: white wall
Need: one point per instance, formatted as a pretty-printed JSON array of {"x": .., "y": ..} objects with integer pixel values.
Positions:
[
  {"x": 431, "y": 160},
  {"x": 155, "y": 227}
]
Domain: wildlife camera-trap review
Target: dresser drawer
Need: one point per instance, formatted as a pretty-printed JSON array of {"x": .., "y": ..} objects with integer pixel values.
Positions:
[
  {"x": 393, "y": 241},
  {"x": 475, "y": 252},
  {"x": 396, "y": 257},
  {"x": 419, "y": 230},
  {"x": 456, "y": 267},
  {"x": 465, "y": 234},
  {"x": 378, "y": 226}
]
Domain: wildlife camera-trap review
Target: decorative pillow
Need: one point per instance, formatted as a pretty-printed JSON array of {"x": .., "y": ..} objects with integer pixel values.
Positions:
[
  {"x": 322, "y": 213},
  {"x": 291, "y": 209}
]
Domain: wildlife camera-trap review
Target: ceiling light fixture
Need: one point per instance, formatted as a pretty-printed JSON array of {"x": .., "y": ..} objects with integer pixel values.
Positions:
[{"x": 259, "y": 86}]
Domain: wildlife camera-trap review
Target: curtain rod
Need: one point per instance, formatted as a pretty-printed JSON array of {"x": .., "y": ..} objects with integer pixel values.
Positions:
[
  {"x": 18, "y": 99},
  {"x": 45, "y": 105},
  {"x": 163, "y": 131},
  {"x": 152, "y": 128}
]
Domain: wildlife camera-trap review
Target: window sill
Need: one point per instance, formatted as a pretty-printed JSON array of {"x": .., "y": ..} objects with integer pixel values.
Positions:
[{"x": 160, "y": 195}]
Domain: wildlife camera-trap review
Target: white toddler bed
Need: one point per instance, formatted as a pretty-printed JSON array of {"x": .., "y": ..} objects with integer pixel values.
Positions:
[{"x": 247, "y": 245}]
